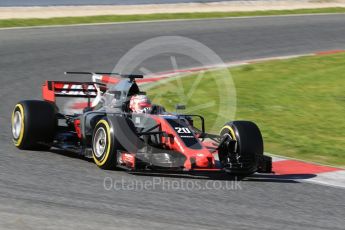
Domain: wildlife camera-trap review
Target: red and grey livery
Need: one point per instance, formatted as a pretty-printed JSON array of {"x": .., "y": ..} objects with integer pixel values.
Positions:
[{"x": 115, "y": 137}]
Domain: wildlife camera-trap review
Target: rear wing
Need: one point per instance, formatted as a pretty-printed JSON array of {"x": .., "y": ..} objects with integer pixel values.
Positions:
[
  {"x": 53, "y": 89},
  {"x": 109, "y": 76}
]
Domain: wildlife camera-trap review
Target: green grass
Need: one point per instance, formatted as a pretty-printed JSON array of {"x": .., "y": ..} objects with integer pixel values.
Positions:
[
  {"x": 299, "y": 104},
  {"x": 125, "y": 18}
]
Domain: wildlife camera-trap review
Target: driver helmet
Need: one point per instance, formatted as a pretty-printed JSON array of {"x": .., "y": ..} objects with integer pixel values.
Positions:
[{"x": 140, "y": 104}]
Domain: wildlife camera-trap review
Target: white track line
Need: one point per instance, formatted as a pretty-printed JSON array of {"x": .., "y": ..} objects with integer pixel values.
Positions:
[
  {"x": 167, "y": 20},
  {"x": 332, "y": 179}
]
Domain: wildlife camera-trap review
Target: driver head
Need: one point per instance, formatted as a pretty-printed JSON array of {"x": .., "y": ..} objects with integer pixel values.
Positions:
[{"x": 140, "y": 104}]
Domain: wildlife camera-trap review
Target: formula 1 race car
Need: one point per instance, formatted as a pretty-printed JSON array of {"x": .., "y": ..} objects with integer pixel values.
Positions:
[{"x": 120, "y": 128}]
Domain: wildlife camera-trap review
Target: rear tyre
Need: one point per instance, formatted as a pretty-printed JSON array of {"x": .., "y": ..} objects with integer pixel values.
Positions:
[
  {"x": 249, "y": 145},
  {"x": 113, "y": 134},
  {"x": 33, "y": 125},
  {"x": 104, "y": 145}
]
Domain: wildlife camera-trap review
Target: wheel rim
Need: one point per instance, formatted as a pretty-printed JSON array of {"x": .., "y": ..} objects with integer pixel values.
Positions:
[
  {"x": 100, "y": 142},
  {"x": 17, "y": 124}
]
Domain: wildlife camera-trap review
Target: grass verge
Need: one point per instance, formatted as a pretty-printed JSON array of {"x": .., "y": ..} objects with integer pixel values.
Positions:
[
  {"x": 299, "y": 104},
  {"x": 5, "y": 23}
]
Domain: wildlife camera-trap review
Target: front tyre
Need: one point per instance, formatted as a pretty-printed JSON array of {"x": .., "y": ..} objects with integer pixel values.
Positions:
[{"x": 244, "y": 157}]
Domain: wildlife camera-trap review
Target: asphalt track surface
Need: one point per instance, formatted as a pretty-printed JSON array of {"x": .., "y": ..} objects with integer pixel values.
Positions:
[{"x": 54, "y": 190}]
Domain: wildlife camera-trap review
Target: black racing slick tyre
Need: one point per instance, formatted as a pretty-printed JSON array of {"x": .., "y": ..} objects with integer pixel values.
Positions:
[
  {"x": 33, "y": 125},
  {"x": 104, "y": 145},
  {"x": 111, "y": 135},
  {"x": 249, "y": 145}
]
